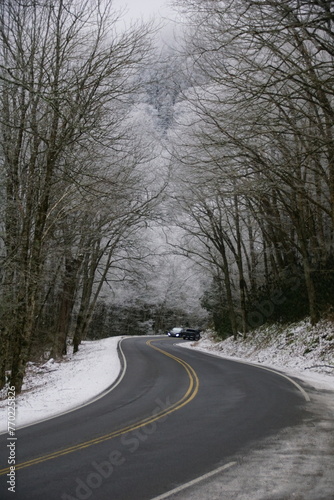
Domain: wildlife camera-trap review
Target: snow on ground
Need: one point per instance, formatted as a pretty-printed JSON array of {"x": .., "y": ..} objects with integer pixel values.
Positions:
[
  {"x": 56, "y": 387},
  {"x": 296, "y": 462},
  {"x": 299, "y": 349}
]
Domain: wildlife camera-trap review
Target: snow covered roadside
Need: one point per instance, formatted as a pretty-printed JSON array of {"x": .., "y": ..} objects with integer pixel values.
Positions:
[
  {"x": 299, "y": 350},
  {"x": 57, "y": 387},
  {"x": 296, "y": 462}
]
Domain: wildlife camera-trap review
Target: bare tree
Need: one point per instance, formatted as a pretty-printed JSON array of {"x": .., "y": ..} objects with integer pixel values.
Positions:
[
  {"x": 262, "y": 116},
  {"x": 67, "y": 73}
]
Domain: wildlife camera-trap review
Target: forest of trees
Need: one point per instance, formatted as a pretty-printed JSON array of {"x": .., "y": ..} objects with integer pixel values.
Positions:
[
  {"x": 254, "y": 146},
  {"x": 136, "y": 180},
  {"x": 74, "y": 190}
]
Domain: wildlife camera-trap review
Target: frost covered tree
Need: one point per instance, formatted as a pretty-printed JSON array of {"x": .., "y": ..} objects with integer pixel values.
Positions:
[
  {"x": 260, "y": 136},
  {"x": 71, "y": 188}
]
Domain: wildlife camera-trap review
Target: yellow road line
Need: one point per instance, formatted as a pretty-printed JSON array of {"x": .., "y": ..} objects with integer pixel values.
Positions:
[{"x": 186, "y": 398}]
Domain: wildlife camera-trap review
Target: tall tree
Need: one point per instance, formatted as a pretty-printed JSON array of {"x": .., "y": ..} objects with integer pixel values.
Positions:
[
  {"x": 262, "y": 116},
  {"x": 67, "y": 72}
]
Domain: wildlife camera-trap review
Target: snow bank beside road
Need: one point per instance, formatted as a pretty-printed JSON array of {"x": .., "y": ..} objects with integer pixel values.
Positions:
[
  {"x": 299, "y": 350},
  {"x": 57, "y": 387},
  {"x": 296, "y": 462}
]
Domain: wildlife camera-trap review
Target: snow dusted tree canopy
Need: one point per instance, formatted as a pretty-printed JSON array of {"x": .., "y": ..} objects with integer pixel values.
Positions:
[
  {"x": 162, "y": 176},
  {"x": 253, "y": 149},
  {"x": 77, "y": 180}
]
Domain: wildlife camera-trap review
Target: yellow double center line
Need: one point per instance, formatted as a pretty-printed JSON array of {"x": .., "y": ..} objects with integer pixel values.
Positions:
[{"x": 186, "y": 398}]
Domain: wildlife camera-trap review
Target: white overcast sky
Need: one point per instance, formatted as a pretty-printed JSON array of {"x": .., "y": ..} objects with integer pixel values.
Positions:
[{"x": 145, "y": 9}]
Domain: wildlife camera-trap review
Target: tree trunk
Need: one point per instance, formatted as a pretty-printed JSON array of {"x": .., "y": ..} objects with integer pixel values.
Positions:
[{"x": 67, "y": 297}]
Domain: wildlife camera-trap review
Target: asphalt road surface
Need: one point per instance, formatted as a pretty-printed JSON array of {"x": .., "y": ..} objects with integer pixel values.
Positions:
[{"x": 174, "y": 415}]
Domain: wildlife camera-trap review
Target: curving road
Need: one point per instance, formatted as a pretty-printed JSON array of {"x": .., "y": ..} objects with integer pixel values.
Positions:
[{"x": 174, "y": 414}]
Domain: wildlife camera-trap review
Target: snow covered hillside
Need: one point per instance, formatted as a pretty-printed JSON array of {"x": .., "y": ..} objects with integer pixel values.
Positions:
[{"x": 300, "y": 349}]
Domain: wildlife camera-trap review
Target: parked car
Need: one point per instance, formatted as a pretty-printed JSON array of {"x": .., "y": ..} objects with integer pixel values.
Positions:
[
  {"x": 175, "y": 332},
  {"x": 191, "y": 334}
]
